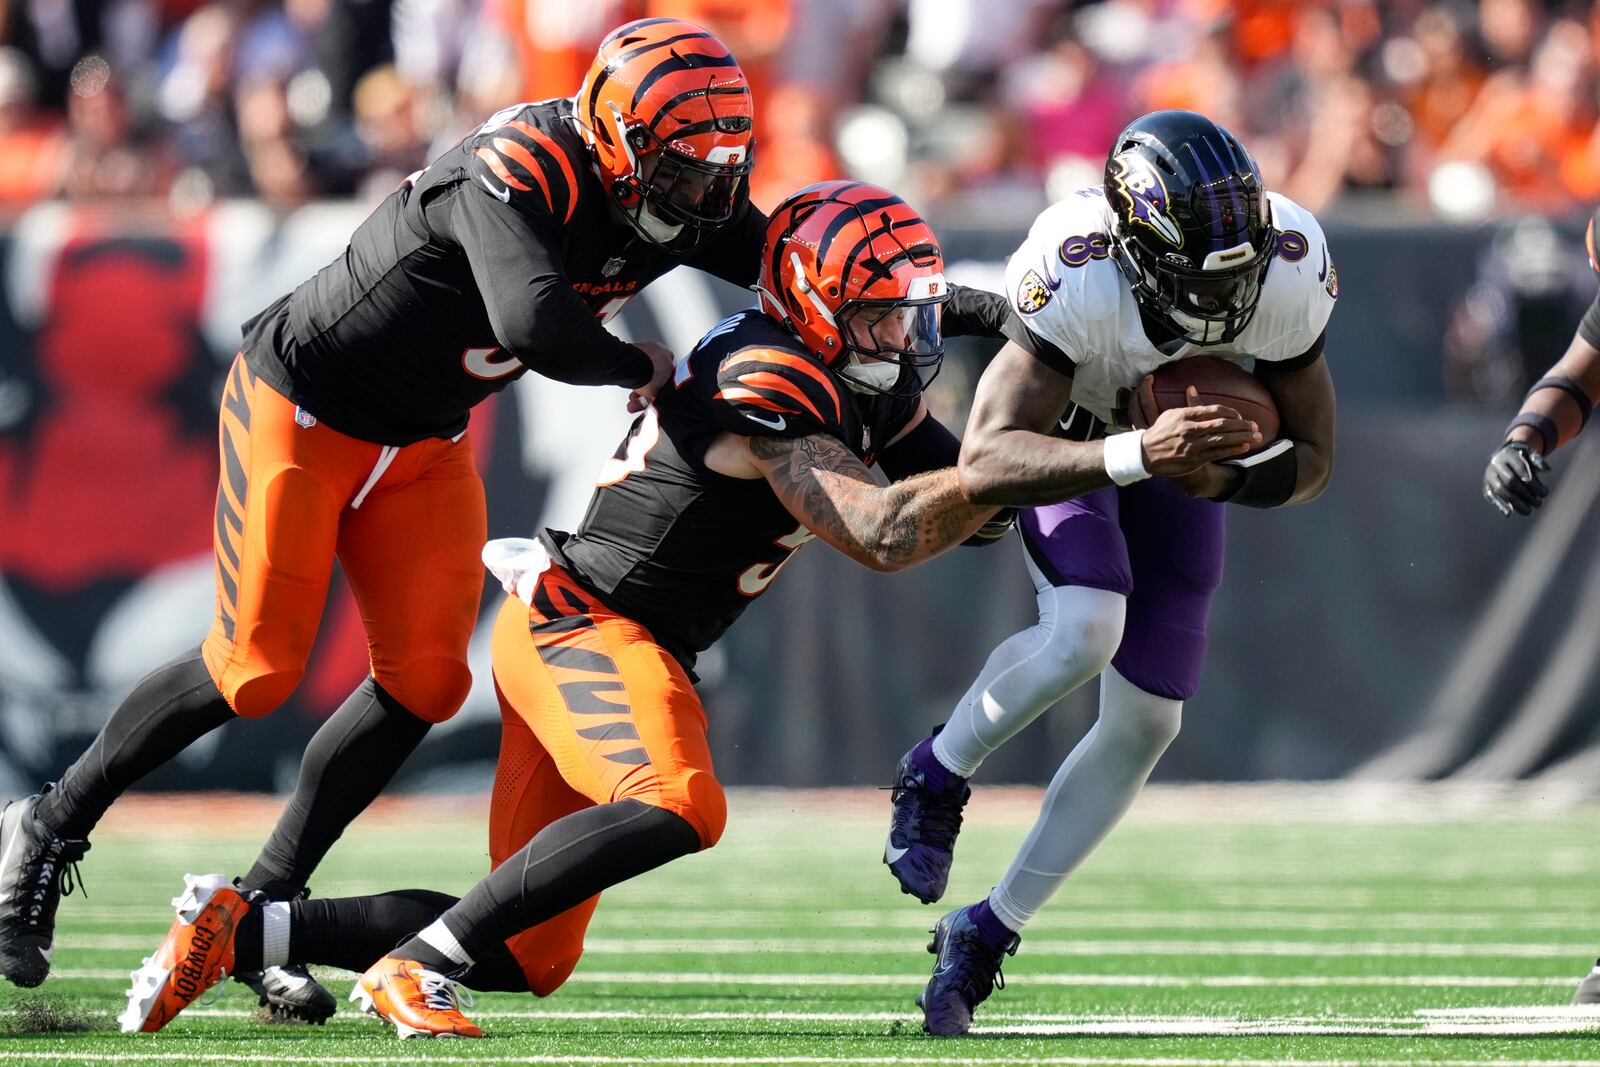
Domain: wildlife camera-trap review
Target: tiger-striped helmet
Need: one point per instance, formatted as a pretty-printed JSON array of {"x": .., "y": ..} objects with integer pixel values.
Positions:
[
  {"x": 857, "y": 274},
  {"x": 667, "y": 113}
]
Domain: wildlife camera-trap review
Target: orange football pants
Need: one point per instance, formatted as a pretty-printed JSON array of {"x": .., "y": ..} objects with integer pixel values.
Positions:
[
  {"x": 406, "y": 524},
  {"x": 592, "y": 711}
]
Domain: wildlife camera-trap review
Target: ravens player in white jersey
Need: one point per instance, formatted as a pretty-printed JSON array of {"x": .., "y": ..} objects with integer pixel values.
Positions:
[
  {"x": 1181, "y": 252},
  {"x": 1553, "y": 413}
]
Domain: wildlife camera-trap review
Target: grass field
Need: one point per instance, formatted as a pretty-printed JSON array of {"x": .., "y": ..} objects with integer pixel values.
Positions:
[{"x": 1249, "y": 925}]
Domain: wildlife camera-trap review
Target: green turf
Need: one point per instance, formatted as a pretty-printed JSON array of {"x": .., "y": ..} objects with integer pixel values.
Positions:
[{"x": 1276, "y": 911}]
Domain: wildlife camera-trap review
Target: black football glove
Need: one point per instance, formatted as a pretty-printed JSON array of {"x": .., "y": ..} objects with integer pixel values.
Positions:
[{"x": 1511, "y": 481}]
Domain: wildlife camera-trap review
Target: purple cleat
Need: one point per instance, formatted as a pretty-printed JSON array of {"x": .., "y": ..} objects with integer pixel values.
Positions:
[
  {"x": 926, "y": 818},
  {"x": 966, "y": 968}
]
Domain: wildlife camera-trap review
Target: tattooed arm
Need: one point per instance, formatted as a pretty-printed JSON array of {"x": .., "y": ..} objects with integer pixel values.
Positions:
[{"x": 887, "y": 528}]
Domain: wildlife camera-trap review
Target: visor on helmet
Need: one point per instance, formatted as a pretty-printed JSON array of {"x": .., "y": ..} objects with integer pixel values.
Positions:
[{"x": 903, "y": 333}]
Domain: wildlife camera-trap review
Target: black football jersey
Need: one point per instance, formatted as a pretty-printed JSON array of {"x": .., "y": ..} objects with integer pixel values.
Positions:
[
  {"x": 504, "y": 254},
  {"x": 680, "y": 548}
]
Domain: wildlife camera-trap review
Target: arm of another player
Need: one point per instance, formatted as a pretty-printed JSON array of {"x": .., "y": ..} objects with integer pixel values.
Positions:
[
  {"x": 1009, "y": 458},
  {"x": 884, "y": 527},
  {"x": 1552, "y": 414},
  {"x": 513, "y": 251},
  {"x": 925, "y": 444}
]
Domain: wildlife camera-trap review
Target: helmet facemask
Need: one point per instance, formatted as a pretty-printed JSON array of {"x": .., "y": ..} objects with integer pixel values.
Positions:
[
  {"x": 672, "y": 198},
  {"x": 894, "y": 346},
  {"x": 1207, "y": 305}
]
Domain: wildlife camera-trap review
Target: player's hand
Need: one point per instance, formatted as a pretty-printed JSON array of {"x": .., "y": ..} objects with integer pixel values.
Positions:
[
  {"x": 1182, "y": 440},
  {"x": 1140, "y": 403},
  {"x": 662, "y": 361},
  {"x": 1511, "y": 482}
]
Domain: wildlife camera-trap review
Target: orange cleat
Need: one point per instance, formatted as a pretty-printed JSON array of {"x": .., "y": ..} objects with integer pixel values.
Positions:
[
  {"x": 196, "y": 955},
  {"x": 419, "y": 1002}
]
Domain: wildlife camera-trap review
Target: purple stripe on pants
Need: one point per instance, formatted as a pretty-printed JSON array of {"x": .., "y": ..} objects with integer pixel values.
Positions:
[{"x": 1159, "y": 548}]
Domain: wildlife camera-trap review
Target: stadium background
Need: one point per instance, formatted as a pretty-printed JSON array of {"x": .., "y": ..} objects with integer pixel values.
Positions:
[{"x": 167, "y": 168}]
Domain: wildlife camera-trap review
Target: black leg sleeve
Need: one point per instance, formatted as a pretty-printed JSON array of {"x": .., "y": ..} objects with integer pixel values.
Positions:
[
  {"x": 356, "y": 932},
  {"x": 347, "y": 764},
  {"x": 171, "y": 708},
  {"x": 566, "y": 863}
]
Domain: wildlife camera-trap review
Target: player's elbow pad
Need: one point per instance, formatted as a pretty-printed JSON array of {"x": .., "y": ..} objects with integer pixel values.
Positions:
[{"x": 1270, "y": 477}]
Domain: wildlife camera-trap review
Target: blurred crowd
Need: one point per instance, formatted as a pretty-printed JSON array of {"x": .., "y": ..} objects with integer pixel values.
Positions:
[{"x": 1464, "y": 106}]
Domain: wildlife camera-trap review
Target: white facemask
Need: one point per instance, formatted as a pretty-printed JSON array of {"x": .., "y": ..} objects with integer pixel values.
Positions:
[
  {"x": 873, "y": 376},
  {"x": 1203, "y": 330},
  {"x": 657, "y": 229}
]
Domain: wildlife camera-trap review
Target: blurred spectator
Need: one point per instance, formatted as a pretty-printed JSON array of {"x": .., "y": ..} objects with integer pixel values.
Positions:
[
  {"x": 32, "y": 141},
  {"x": 1534, "y": 130},
  {"x": 105, "y": 159},
  {"x": 388, "y": 123},
  {"x": 1516, "y": 320}
]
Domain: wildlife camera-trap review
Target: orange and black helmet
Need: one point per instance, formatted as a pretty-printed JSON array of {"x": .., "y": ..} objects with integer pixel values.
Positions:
[
  {"x": 668, "y": 115},
  {"x": 857, "y": 274}
]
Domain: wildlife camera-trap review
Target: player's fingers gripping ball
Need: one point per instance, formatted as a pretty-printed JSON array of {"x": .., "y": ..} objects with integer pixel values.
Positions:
[{"x": 1215, "y": 382}]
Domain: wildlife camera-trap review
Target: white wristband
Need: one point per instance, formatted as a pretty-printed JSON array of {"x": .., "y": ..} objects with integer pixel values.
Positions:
[{"x": 1124, "y": 457}]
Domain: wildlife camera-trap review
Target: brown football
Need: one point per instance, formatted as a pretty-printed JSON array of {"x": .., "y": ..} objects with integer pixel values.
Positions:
[{"x": 1218, "y": 382}]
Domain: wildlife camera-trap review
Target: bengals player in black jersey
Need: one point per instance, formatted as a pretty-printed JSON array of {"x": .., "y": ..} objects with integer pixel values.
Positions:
[
  {"x": 1553, "y": 413},
  {"x": 762, "y": 442},
  {"x": 343, "y": 429}
]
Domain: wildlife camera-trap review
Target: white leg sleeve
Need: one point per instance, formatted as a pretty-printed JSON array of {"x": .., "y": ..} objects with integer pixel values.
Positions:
[
  {"x": 1088, "y": 795},
  {"x": 1078, "y": 632}
]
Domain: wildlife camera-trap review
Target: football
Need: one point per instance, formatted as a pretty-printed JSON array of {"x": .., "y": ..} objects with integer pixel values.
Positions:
[{"x": 1218, "y": 382}]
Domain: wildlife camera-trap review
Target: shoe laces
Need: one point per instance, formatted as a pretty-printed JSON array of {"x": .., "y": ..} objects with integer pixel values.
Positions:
[
  {"x": 214, "y": 993},
  {"x": 977, "y": 963},
  {"x": 442, "y": 994},
  {"x": 935, "y": 816},
  {"x": 54, "y": 865}
]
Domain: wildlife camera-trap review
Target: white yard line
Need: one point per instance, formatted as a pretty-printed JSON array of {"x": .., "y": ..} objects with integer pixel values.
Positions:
[
  {"x": 1154, "y": 981},
  {"x": 411, "y": 1055}
]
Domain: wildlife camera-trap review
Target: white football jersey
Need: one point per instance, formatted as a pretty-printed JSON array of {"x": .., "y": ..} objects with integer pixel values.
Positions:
[{"x": 1068, "y": 290}]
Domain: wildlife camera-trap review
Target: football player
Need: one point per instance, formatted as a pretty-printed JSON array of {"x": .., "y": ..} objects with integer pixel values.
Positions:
[
  {"x": 343, "y": 434},
  {"x": 1553, "y": 413},
  {"x": 763, "y": 442},
  {"x": 1181, "y": 252}
]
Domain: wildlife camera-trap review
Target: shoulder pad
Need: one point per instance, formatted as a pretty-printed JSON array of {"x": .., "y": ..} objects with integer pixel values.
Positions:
[
  {"x": 767, "y": 392},
  {"x": 518, "y": 163}
]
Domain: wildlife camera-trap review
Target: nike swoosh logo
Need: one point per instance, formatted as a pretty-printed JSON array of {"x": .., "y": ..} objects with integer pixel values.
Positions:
[
  {"x": 45, "y": 952},
  {"x": 892, "y": 854},
  {"x": 503, "y": 194},
  {"x": 776, "y": 422}
]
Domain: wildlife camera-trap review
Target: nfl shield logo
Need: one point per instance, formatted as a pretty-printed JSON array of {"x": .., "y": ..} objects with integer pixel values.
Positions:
[
  {"x": 614, "y": 264},
  {"x": 304, "y": 418}
]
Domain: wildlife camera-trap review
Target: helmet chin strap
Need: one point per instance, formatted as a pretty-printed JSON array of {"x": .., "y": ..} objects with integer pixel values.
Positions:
[
  {"x": 1201, "y": 331},
  {"x": 878, "y": 376}
]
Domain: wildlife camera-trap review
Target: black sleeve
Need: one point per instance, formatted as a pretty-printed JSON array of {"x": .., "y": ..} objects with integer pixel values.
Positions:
[
  {"x": 762, "y": 392},
  {"x": 930, "y": 446},
  {"x": 734, "y": 254},
  {"x": 1589, "y": 328},
  {"x": 1300, "y": 362},
  {"x": 976, "y": 313},
  {"x": 514, "y": 251}
]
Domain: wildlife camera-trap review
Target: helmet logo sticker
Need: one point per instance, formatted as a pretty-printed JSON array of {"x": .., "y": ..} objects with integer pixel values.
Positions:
[
  {"x": 1142, "y": 198},
  {"x": 1032, "y": 293}
]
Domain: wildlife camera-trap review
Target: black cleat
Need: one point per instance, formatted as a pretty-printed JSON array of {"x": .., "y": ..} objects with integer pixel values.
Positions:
[
  {"x": 1589, "y": 990},
  {"x": 37, "y": 869},
  {"x": 966, "y": 969},
  {"x": 291, "y": 995}
]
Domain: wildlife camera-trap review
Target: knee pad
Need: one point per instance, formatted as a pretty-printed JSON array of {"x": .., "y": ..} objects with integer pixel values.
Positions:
[
  {"x": 250, "y": 689},
  {"x": 1143, "y": 718},
  {"x": 1081, "y": 629},
  {"x": 696, "y": 797},
  {"x": 432, "y": 688}
]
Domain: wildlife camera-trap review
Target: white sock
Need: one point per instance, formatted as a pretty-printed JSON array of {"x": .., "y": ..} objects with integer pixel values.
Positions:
[
  {"x": 1078, "y": 632},
  {"x": 438, "y": 935},
  {"x": 275, "y": 934},
  {"x": 1089, "y": 794}
]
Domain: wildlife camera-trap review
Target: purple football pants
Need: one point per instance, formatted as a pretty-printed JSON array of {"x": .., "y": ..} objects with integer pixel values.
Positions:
[{"x": 1156, "y": 546}]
